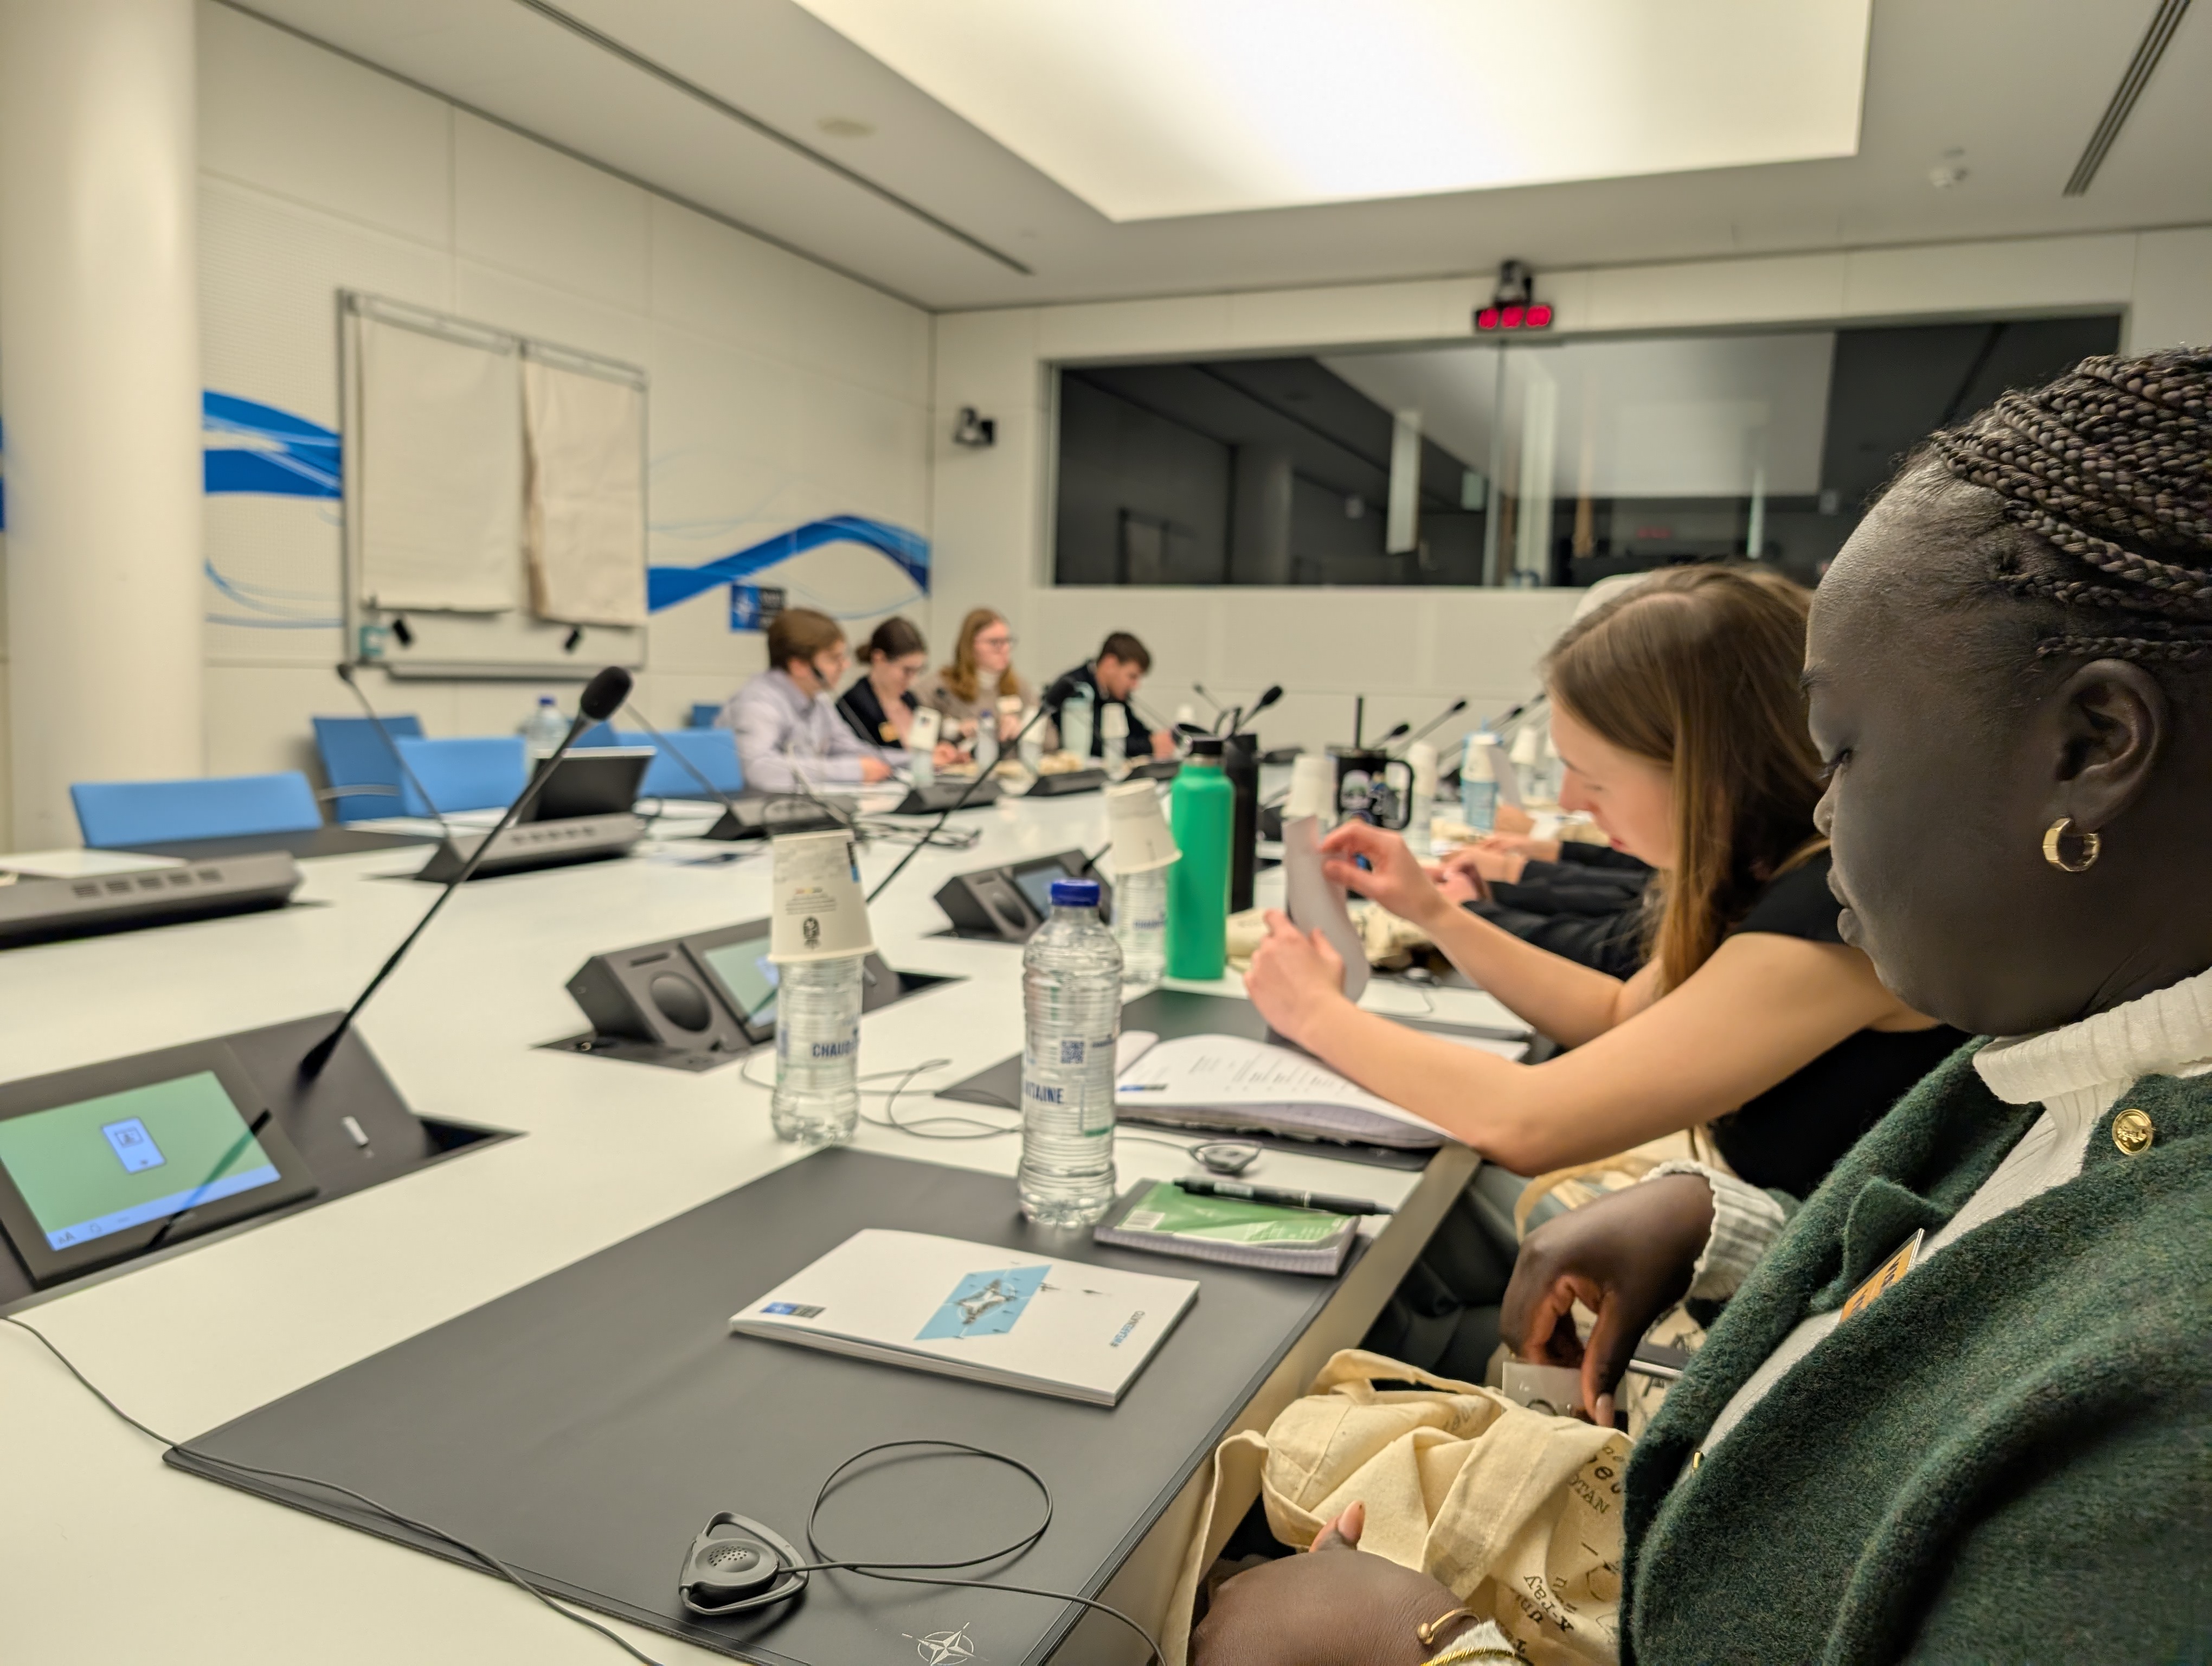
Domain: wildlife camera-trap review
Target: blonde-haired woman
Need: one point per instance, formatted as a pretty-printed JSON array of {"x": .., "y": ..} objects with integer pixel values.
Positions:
[
  {"x": 1677, "y": 711},
  {"x": 981, "y": 675}
]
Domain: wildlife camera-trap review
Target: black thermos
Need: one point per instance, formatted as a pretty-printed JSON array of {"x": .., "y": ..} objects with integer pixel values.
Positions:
[{"x": 1240, "y": 762}]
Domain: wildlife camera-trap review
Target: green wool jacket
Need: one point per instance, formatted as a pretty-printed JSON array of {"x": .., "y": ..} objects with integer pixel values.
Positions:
[{"x": 2007, "y": 1456}]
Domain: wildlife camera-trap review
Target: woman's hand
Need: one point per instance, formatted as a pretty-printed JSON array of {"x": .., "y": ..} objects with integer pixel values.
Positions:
[
  {"x": 1335, "y": 1607},
  {"x": 1393, "y": 876},
  {"x": 1627, "y": 1256},
  {"x": 1010, "y": 725},
  {"x": 1293, "y": 977},
  {"x": 947, "y": 755}
]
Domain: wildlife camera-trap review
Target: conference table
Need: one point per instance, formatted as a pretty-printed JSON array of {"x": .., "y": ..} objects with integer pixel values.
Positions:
[{"x": 107, "y": 1555}]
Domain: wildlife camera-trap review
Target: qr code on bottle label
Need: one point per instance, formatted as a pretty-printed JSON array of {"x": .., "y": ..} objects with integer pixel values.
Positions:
[{"x": 1071, "y": 1052}]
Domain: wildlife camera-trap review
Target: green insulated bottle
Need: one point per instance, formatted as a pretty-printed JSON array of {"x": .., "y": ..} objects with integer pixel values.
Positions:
[{"x": 1201, "y": 807}]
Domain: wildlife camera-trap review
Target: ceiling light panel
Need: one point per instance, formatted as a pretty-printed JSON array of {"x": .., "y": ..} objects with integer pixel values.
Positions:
[{"x": 1147, "y": 109}]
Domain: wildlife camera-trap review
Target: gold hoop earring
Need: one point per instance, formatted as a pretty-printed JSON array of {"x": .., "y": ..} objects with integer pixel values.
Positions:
[{"x": 2092, "y": 846}]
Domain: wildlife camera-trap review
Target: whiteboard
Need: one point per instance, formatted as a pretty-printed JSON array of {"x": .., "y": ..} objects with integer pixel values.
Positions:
[{"x": 423, "y": 597}]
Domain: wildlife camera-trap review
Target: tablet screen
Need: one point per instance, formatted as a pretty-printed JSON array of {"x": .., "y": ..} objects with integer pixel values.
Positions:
[
  {"x": 747, "y": 976},
  {"x": 106, "y": 1165},
  {"x": 1036, "y": 884}
]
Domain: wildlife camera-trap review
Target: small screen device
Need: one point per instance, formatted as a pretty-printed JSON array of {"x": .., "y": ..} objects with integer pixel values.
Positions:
[
  {"x": 736, "y": 963},
  {"x": 98, "y": 1164},
  {"x": 1011, "y": 902},
  {"x": 592, "y": 781}
]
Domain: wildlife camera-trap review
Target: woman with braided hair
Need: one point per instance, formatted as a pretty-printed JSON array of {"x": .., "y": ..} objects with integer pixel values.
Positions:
[{"x": 1961, "y": 1408}]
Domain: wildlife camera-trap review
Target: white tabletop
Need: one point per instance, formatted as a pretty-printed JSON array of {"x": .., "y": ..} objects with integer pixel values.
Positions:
[{"x": 106, "y": 1554}]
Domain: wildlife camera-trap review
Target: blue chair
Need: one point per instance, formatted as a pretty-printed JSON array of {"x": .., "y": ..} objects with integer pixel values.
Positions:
[
  {"x": 601, "y": 734},
  {"x": 703, "y": 714},
  {"x": 712, "y": 752},
  {"x": 471, "y": 772},
  {"x": 114, "y": 814},
  {"x": 354, "y": 755}
]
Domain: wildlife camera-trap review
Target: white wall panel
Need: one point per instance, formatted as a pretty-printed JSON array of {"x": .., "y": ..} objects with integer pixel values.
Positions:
[
  {"x": 1708, "y": 292},
  {"x": 281, "y": 115},
  {"x": 855, "y": 334},
  {"x": 1353, "y": 314},
  {"x": 720, "y": 283},
  {"x": 2021, "y": 274},
  {"x": 2172, "y": 291},
  {"x": 519, "y": 205},
  {"x": 532, "y": 306}
]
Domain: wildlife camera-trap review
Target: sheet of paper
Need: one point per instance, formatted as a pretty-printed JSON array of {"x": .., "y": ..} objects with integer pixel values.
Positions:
[
  {"x": 1230, "y": 1071},
  {"x": 1314, "y": 903},
  {"x": 83, "y": 864}
]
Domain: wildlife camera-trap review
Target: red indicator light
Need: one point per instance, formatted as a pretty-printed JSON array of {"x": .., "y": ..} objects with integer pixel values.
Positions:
[
  {"x": 1511, "y": 317},
  {"x": 1487, "y": 318},
  {"x": 1539, "y": 316}
]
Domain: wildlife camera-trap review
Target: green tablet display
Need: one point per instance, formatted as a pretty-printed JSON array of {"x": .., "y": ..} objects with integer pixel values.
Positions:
[{"x": 99, "y": 1173}]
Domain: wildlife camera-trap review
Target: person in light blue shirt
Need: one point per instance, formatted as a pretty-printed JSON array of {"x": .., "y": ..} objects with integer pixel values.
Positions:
[{"x": 790, "y": 738}]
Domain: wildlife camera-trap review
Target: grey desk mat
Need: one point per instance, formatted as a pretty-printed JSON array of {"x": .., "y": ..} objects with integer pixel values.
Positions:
[
  {"x": 1171, "y": 1013},
  {"x": 584, "y": 1427}
]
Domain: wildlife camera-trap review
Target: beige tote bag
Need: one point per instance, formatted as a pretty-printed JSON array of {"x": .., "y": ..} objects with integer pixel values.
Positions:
[{"x": 1517, "y": 1512}]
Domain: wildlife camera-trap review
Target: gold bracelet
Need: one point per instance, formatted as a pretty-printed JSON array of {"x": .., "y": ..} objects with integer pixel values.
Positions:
[{"x": 1432, "y": 1630}]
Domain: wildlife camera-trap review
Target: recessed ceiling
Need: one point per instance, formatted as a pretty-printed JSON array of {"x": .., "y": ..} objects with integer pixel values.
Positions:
[
  {"x": 1151, "y": 108},
  {"x": 749, "y": 109}
]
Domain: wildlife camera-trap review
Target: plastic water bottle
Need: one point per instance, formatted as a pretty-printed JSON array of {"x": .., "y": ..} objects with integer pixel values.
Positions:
[
  {"x": 1071, "y": 1008},
  {"x": 1478, "y": 782},
  {"x": 1075, "y": 722},
  {"x": 1141, "y": 927},
  {"x": 818, "y": 1051},
  {"x": 1114, "y": 740},
  {"x": 546, "y": 728}
]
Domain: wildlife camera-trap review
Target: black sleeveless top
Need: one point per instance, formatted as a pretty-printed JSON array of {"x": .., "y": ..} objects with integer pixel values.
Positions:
[{"x": 1790, "y": 1136}]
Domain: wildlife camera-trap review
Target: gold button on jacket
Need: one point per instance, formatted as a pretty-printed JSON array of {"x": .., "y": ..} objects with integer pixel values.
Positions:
[{"x": 2132, "y": 1132}]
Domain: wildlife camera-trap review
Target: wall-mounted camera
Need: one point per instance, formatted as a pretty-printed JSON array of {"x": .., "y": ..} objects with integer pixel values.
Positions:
[{"x": 974, "y": 430}]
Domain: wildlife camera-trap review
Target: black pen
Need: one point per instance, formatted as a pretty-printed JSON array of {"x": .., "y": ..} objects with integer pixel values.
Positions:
[{"x": 1287, "y": 1199}]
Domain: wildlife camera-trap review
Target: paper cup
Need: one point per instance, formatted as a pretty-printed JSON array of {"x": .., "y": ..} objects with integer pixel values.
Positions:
[
  {"x": 1313, "y": 788},
  {"x": 1113, "y": 723},
  {"x": 922, "y": 734},
  {"x": 1421, "y": 757},
  {"x": 817, "y": 911},
  {"x": 1141, "y": 840}
]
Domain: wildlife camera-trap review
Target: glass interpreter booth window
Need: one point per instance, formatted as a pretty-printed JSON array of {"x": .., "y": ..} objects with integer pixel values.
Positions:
[{"x": 1547, "y": 462}]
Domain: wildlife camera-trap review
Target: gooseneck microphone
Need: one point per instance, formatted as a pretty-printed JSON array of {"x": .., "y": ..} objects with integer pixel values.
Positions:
[
  {"x": 1274, "y": 692},
  {"x": 602, "y": 698},
  {"x": 1449, "y": 712},
  {"x": 1062, "y": 687},
  {"x": 391, "y": 745}
]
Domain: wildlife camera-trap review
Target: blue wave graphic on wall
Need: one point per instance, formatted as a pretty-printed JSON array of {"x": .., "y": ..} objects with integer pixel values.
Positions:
[
  {"x": 271, "y": 451},
  {"x": 267, "y": 452},
  {"x": 665, "y": 587}
]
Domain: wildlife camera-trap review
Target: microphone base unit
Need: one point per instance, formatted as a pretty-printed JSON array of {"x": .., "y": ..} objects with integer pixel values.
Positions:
[
  {"x": 34, "y": 911},
  {"x": 1007, "y": 904},
  {"x": 697, "y": 1003},
  {"x": 1069, "y": 781},
  {"x": 528, "y": 846},
  {"x": 765, "y": 816},
  {"x": 349, "y": 1126},
  {"x": 941, "y": 795}
]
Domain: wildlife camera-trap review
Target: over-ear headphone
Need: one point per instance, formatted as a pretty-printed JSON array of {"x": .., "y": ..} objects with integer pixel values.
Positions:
[{"x": 737, "y": 1566}]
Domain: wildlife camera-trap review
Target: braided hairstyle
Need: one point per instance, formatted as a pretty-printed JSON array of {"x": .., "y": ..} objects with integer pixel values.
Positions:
[{"x": 2106, "y": 474}]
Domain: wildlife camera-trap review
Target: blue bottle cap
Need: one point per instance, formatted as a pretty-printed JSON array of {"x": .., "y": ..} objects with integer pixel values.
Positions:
[{"x": 1075, "y": 893}]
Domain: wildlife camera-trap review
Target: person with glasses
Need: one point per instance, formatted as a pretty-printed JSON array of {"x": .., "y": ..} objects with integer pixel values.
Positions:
[
  {"x": 981, "y": 675},
  {"x": 786, "y": 720}
]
